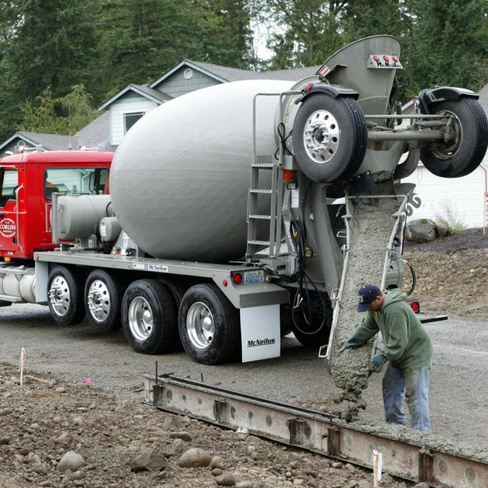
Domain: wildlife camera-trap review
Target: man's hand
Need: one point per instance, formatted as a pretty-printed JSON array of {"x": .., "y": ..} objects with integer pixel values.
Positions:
[
  {"x": 378, "y": 361},
  {"x": 350, "y": 342}
]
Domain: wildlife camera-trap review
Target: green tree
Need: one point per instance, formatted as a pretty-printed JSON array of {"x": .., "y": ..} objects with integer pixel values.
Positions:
[
  {"x": 227, "y": 37},
  {"x": 450, "y": 44},
  {"x": 363, "y": 18},
  {"x": 55, "y": 44},
  {"x": 9, "y": 19},
  {"x": 142, "y": 39},
  {"x": 50, "y": 43},
  {"x": 307, "y": 31},
  {"x": 65, "y": 115}
]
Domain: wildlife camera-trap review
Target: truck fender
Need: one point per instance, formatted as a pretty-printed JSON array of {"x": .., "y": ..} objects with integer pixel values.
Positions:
[
  {"x": 334, "y": 91},
  {"x": 431, "y": 96}
]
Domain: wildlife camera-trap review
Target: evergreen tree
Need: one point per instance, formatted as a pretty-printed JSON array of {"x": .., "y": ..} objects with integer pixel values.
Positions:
[
  {"x": 142, "y": 39},
  {"x": 363, "y": 18},
  {"x": 307, "y": 31},
  {"x": 51, "y": 43},
  {"x": 227, "y": 33},
  {"x": 65, "y": 115},
  {"x": 450, "y": 44},
  {"x": 55, "y": 43}
]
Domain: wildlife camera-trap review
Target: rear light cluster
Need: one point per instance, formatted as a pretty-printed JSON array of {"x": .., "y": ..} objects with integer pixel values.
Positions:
[
  {"x": 383, "y": 61},
  {"x": 386, "y": 59},
  {"x": 247, "y": 277},
  {"x": 236, "y": 278}
]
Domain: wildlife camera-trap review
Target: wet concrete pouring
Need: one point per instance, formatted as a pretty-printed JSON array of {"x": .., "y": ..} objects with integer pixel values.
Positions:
[{"x": 372, "y": 223}]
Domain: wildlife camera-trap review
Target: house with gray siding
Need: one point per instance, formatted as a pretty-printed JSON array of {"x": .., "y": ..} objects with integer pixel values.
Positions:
[
  {"x": 459, "y": 201},
  {"x": 134, "y": 101},
  {"x": 131, "y": 103}
]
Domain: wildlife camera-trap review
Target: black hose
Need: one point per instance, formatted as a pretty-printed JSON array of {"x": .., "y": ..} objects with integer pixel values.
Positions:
[
  {"x": 302, "y": 298},
  {"x": 414, "y": 279},
  {"x": 283, "y": 140}
]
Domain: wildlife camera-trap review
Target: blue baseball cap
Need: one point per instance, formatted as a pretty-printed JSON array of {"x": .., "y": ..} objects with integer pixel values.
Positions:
[{"x": 367, "y": 294}]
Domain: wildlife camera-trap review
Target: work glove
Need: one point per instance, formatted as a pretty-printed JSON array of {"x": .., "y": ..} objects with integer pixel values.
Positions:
[
  {"x": 351, "y": 341},
  {"x": 378, "y": 361}
]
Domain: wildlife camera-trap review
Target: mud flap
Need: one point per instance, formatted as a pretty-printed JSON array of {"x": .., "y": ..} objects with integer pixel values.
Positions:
[{"x": 260, "y": 332}]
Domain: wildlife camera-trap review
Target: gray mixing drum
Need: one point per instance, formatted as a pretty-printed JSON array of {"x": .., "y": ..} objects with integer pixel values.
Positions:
[{"x": 180, "y": 177}]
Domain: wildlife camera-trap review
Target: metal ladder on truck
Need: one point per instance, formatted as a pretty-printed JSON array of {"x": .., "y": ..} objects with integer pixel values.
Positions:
[
  {"x": 264, "y": 230},
  {"x": 261, "y": 236}
]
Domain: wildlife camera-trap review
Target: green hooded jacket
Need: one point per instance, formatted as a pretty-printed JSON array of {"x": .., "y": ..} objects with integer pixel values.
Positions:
[{"x": 406, "y": 343}]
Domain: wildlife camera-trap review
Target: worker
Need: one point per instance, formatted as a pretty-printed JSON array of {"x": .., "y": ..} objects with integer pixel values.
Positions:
[{"x": 407, "y": 349}]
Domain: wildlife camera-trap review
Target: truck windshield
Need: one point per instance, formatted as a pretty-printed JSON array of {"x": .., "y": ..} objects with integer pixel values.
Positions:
[
  {"x": 9, "y": 180},
  {"x": 74, "y": 181}
]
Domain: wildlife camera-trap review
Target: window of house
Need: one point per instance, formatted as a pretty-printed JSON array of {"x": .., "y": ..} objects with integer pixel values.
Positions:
[{"x": 131, "y": 118}]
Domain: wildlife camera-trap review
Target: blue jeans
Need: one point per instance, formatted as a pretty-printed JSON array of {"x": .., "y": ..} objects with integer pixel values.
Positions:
[{"x": 415, "y": 386}]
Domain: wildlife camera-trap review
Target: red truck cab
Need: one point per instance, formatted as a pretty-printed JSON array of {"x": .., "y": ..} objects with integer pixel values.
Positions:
[{"x": 27, "y": 181}]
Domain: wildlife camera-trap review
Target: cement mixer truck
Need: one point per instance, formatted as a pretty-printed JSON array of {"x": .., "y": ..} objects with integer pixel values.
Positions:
[{"x": 239, "y": 212}]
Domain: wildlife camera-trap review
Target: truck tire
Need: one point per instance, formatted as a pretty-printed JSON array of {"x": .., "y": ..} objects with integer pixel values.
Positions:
[
  {"x": 330, "y": 137},
  {"x": 462, "y": 156},
  {"x": 209, "y": 325},
  {"x": 65, "y": 296},
  {"x": 149, "y": 317},
  {"x": 103, "y": 299},
  {"x": 177, "y": 290}
]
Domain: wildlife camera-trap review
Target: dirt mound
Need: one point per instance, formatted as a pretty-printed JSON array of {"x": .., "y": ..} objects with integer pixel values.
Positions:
[
  {"x": 45, "y": 421},
  {"x": 452, "y": 274},
  {"x": 466, "y": 239}
]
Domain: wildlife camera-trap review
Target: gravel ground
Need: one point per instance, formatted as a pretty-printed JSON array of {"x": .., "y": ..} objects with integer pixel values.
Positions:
[{"x": 107, "y": 425}]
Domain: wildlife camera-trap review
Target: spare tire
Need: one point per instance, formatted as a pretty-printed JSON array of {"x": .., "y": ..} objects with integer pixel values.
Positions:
[
  {"x": 330, "y": 137},
  {"x": 463, "y": 155}
]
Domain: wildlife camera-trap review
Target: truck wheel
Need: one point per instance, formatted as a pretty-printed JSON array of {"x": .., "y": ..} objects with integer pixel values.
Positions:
[
  {"x": 463, "y": 155},
  {"x": 65, "y": 296},
  {"x": 329, "y": 137},
  {"x": 103, "y": 297},
  {"x": 149, "y": 317},
  {"x": 177, "y": 291},
  {"x": 208, "y": 325}
]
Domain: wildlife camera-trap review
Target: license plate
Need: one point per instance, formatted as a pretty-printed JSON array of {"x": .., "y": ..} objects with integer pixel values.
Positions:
[{"x": 254, "y": 277}]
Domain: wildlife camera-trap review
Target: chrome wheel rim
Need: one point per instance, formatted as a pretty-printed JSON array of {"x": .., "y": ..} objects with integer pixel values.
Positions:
[
  {"x": 60, "y": 296},
  {"x": 98, "y": 300},
  {"x": 321, "y": 136},
  {"x": 141, "y": 319},
  {"x": 200, "y": 325}
]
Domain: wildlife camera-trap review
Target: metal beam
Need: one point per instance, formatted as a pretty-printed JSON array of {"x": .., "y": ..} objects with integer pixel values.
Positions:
[{"x": 314, "y": 431}]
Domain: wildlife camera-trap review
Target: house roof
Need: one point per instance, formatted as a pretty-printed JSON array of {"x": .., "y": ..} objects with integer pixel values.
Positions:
[
  {"x": 96, "y": 133},
  {"x": 232, "y": 74},
  {"x": 49, "y": 142},
  {"x": 219, "y": 73},
  {"x": 143, "y": 90},
  {"x": 224, "y": 73}
]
